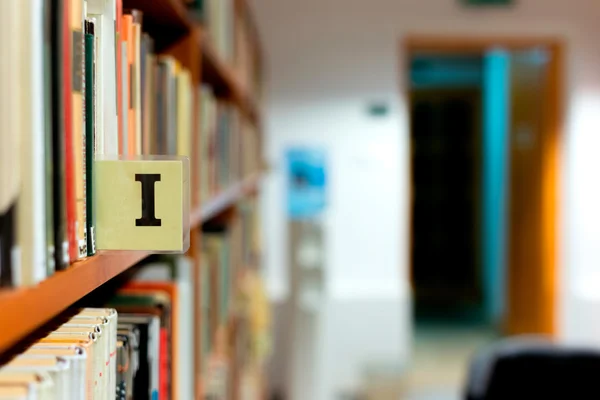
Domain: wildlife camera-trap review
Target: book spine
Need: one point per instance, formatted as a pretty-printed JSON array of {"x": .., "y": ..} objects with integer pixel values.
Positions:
[
  {"x": 48, "y": 159},
  {"x": 78, "y": 128},
  {"x": 59, "y": 58},
  {"x": 31, "y": 207},
  {"x": 127, "y": 24},
  {"x": 163, "y": 385},
  {"x": 124, "y": 95},
  {"x": 69, "y": 145},
  {"x": 90, "y": 133},
  {"x": 136, "y": 83},
  {"x": 119, "y": 72}
]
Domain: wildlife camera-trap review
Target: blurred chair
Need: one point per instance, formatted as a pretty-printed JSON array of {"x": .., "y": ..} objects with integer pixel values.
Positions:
[{"x": 534, "y": 368}]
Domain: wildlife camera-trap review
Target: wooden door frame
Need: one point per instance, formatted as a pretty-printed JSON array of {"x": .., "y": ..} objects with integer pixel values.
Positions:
[{"x": 552, "y": 141}]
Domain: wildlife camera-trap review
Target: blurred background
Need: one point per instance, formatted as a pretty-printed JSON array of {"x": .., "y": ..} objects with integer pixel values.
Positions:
[{"x": 431, "y": 188}]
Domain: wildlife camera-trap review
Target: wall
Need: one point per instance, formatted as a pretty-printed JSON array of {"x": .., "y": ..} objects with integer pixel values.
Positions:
[{"x": 326, "y": 58}]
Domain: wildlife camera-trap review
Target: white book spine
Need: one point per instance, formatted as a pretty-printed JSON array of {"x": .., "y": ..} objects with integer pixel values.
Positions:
[
  {"x": 186, "y": 347},
  {"x": 98, "y": 79},
  {"x": 9, "y": 103},
  {"x": 106, "y": 96},
  {"x": 31, "y": 207}
]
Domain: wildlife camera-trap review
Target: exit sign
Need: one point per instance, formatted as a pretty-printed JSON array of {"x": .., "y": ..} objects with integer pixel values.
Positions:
[{"x": 488, "y": 2}]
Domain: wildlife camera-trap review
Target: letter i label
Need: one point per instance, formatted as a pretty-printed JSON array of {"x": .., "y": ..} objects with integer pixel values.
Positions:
[{"x": 148, "y": 201}]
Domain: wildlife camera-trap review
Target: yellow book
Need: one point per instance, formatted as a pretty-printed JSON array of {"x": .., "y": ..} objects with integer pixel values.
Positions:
[{"x": 184, "y": 113}]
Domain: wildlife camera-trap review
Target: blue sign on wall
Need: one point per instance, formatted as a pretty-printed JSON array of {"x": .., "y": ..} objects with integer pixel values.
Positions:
[{"x": 306, "y": 175}]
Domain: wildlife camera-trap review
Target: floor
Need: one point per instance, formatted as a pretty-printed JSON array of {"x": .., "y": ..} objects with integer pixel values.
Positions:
[{"x": 440, "y": 361}]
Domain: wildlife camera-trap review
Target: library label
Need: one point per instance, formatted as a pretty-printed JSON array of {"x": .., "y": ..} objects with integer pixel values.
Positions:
[{"x": 142, "y": 205}]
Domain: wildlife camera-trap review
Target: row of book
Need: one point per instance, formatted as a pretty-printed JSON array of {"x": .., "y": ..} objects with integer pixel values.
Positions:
[
  {"x": 233, "y": 34},
  {"x": 86, "y": 82},
  {"x": 232, "y": 145}
]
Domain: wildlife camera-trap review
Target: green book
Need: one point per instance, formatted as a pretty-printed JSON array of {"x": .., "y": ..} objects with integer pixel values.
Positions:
[{"x": 90, "y": 133}]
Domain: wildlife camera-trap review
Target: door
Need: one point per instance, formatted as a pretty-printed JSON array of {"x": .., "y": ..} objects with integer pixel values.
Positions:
[{"x": 530, "y": 271}]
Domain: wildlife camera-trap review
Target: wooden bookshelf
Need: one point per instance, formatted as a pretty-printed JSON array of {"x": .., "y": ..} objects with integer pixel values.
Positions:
[{"x": 26, "y": 309}]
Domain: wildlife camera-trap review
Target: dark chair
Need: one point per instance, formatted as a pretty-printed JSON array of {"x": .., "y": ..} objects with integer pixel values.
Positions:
[{"x": 534, "y": 368}]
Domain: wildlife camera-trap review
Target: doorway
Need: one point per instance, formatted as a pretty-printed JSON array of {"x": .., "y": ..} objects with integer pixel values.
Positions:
[{"x": 485, "y": 134}]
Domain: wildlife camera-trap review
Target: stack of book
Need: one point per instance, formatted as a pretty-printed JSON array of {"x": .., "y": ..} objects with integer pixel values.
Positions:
[
  {"x": 85, "y": 82},
  {"x": 76, "y": 361}
]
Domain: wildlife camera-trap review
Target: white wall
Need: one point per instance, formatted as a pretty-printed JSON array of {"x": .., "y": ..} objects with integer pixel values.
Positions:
[{"x": 327, "y": 58}]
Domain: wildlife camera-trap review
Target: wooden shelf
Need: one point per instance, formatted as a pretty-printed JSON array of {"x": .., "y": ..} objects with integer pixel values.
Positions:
[
  {"x": 225, "y": 200},
  {"x": 26, "y": 309},
  {"x": 23, "y": 310}
]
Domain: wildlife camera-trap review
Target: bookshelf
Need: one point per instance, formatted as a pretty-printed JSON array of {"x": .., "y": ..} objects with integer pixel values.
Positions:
[
  {"x": 175, "y": 33},
  {"x": 65, "y": 288}
]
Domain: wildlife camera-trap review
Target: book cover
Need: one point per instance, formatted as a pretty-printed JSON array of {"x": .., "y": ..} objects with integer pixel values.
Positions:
[{"x": 90, "y": 133}]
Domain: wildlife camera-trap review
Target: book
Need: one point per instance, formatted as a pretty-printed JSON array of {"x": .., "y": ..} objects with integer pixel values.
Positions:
[
  {"x": 57, "y": 104},
  {"x": 128, "y": 84},
  {"x": 107, "y": 138},
  {"x": 36, "y": 385},
  {"x": 9, "y": 141},
  {"x": 58, "y": 368},
  {"x": 174, "y": 275},
  {"x": 90, "y": 131},
  {"x": 77, "y": 18},
  {"x": 31, "y": 226},
  {"x": 136, "y": 65},
  {"x": 77, "y": 358},
  {"x": 145, "y": 381},
  {"x": 48, "y": 115},
  {"x": 69, "y": 94}
]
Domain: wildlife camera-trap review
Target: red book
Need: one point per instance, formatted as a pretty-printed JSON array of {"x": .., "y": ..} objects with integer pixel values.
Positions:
[
  {"x": 71, "y": 209},
  {"x": 163, "y": 362}
]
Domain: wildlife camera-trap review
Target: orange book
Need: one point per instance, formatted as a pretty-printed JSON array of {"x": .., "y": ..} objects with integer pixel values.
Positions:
[
  {"x": 118, "y": 41},
  {"x": 136, "y": 78},
  {"x": 127, "y": 31}
]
